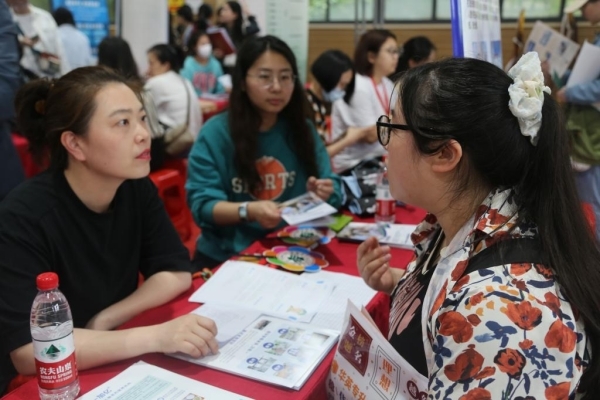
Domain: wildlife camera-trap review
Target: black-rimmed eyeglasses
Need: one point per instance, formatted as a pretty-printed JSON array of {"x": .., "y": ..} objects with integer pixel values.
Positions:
[{"x": 384, "y": 129}]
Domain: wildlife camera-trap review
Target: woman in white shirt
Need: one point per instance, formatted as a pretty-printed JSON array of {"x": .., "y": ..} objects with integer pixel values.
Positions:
[
  {"x": 375, "y": 58},
  {"x": 173, "y": 95}
]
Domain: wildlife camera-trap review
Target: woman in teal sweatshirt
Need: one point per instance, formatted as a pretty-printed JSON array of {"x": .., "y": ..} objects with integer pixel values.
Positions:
[{"x": 262, "y": 152}]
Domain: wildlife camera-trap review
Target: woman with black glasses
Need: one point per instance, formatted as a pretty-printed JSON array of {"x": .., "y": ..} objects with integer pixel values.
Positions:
[
  {"x": 501, "y": 300},
  {"x": 261, "y": 152}
]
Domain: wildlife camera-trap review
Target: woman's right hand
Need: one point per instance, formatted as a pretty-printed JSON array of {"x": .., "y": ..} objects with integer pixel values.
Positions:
[
  {"x": 373, "y": 266},
  {"x": 265, "y": 212},
  {"x": 189, "y": 334}
]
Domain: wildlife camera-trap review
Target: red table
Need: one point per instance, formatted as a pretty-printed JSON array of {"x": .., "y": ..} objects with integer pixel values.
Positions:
[{"x": 342, "y": 258}]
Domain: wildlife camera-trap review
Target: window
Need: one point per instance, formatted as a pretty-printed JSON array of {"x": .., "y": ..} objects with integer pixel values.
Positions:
[
  {"x": 345, "y": 10},
  {"x": 409, "y": 10},
  {"x": 545, "y": 9}
]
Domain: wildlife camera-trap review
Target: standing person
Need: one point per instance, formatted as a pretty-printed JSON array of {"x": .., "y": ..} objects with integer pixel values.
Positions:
[
  {"x": 11, "y": 171},
  {"x": 201, "y": 67},
  {"x": 76, "y": 44},
  {"x": 114, "y": 52},
  {"x": 583, "y": 122},
  {"x": 43, "y": 52},
  {"x": 375, "y": 58},
  {"x": 238, "y": 21},
  {"x": 94, "y": 218},
  {"x": 262, "y": 151},
  {"x": 333, "y": 73},
  {"x": 173, "y": 95},
  {"x": 502, "y": 296},
  {"x": 185, "y": 24},
  {"x": 415, "y": 51},
  {"x": 205, "y": 14}
]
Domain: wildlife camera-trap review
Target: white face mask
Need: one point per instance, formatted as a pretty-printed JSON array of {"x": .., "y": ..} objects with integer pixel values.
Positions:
[
  {"x": 204, "y": 50},
  {"x": 334, "y": 94}
]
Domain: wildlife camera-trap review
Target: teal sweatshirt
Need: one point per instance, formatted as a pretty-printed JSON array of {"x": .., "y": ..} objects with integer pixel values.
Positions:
[
  {"x": 204, "y": 78},
  {"x": 212, "y": 178}
]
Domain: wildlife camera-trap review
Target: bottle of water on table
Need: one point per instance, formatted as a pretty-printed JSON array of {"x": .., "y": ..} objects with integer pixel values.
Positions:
[
  {"x": 52, "y": 335},
  {"x": 385, "y": 211}
]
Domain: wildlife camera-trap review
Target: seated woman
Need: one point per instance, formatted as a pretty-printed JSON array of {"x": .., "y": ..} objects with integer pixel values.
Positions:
[
  {"x": 96, "y": 220},
  {"x": 334, "y": 80},
  {"x": 502, "y": 296},
  {"x": 115, "y": 52},
  {"x": 415, "y": 51},
  {"x": 201, "y": 67},
  {"x": 375, "y": 58},
  {"x": 262, "y": 151},
  {"x": 173, "y": 96}
]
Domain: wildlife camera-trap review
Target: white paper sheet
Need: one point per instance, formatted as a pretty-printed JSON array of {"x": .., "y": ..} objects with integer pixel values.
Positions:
[
  {"x": 305, "y": 208},
  {"x": 144, "y": 381},
  {"x": 393, "y": 235},
  {"x": 230, "y": 321},
  {"x": 347, "y": 287},
  {"x": 553, "y": 47},
  {"x": 272, "y": 350},
  {"x": 587, "y": 67},
  {"x": 272, "y": 292}
]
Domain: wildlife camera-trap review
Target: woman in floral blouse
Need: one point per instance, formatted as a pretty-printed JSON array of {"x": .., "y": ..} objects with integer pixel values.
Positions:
[{"x": 501, "y": 300}]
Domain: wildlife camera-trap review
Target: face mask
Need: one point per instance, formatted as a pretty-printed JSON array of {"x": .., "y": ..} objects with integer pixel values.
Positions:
[
  {"x": 335, "y": 94},
  {"x": 205, "y": 50}
]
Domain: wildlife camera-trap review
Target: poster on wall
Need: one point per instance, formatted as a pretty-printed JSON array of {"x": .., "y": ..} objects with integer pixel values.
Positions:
[
  {"x": 288, "y": 20},
  {"x": 91, "y": 18},
  {"x": 476, "y": 30}
]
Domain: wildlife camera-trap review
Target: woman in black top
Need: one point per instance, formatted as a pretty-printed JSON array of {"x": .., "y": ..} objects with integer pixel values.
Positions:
[{"x": 96, "y": 220}]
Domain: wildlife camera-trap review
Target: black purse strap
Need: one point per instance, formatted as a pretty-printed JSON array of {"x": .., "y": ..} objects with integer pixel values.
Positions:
[{"x": 511, "y": 251}]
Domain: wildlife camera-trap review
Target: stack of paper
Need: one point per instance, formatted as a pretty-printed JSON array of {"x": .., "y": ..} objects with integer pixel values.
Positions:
[
  {"x": 144, "y": 381},
  {"x": 394, "y": 235}
]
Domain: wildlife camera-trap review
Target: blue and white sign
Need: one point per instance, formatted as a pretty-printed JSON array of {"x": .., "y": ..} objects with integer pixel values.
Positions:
[
  {"x": 91, "y": 17},
  {"x": 476, "y": 30}
]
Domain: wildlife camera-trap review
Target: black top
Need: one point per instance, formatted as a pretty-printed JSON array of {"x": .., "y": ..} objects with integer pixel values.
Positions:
[
  {"x": 45, "y": 227},
  {"x": 406, "y": 332}
]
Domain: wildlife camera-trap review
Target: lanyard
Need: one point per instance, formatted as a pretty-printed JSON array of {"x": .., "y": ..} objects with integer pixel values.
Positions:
[{"x": 382, "y": 100}]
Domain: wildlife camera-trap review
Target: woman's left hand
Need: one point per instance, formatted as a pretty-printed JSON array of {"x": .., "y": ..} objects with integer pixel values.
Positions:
[{"x": 321, "y": 187}]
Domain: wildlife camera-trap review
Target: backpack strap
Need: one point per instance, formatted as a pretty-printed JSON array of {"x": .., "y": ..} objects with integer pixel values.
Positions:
[{"x": 511, "y": 251}]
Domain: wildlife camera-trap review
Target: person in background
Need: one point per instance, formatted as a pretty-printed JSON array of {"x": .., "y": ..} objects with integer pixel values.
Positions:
[
  {"x": 414, "y": 52},
  {"x": 114, "y": 52},
  {"x": 205, "y": 14},
  {"x": 583, "y": 122},
  {"x": 375, "y": 58},
  {"x": 43, "y": 52},
  {"x": 260, "y": 152},
  {"x": 502, "y": 295},
  {"x": 95, "y": 218},
  {"x": 200, "y": 67},
  {"x": 11, "y": 171},
  {"x": 185, "y": 24},
  {"x": 173, "y": 96},
  {"x": 333, "y": 73},
  {"x": 76, "y": 44},
  {"x": 238, "y": 21}
]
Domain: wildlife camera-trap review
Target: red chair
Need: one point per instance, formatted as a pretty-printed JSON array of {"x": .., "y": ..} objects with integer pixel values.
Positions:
[
  {"x": 588, "y": 211},
  {"x": 169, "y": 183},
  {"x": 22, "y": 146}
]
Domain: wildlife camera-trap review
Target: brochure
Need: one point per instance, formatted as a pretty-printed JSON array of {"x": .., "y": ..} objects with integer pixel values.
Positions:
[
  {"x": 587, "y": 67},
  {"x": 367, "y": 366},
  {"x": 241, "y": 284},
  {"x": 272, "y": 350},
  {"x": 394, "y": 235},
  {"x": 144, "y": 381},
  {"x": 558, "y": 50},
  {"x": 220, "y": 40},
  {"x": 305, "y": 208}
]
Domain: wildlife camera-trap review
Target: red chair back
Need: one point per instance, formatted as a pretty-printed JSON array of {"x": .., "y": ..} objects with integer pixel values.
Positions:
[{"x": 169, "y": 183}]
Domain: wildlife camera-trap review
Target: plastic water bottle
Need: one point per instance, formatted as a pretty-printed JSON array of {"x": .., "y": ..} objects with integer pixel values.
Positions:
[
  {"x": 52, "y": 334},
  {"x": 385, "y": 207}
]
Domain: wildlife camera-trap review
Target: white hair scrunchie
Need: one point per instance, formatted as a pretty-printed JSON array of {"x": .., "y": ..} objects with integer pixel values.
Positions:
[{"x": 527, "y": 94}]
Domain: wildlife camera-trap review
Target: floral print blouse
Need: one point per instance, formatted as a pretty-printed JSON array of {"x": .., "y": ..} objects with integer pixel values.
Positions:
[{"x": 505, "y": 332}]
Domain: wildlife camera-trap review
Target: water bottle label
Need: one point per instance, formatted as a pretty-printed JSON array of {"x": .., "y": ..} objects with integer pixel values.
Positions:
[
  {"x": 385, "y": 208},
  {"x": 55, "y": 362},
  {"x": 383, "y": 193}
]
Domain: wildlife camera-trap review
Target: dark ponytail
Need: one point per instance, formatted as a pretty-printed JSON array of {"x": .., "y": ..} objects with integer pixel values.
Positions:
[
  {"x": 467, "y": 100},
  {"x": 418, "y": 48},
  {"x": 45, "y": 109}
]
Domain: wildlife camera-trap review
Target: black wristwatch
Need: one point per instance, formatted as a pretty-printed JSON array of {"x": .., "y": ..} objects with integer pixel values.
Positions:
[{"x": 243, "y": 212}]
